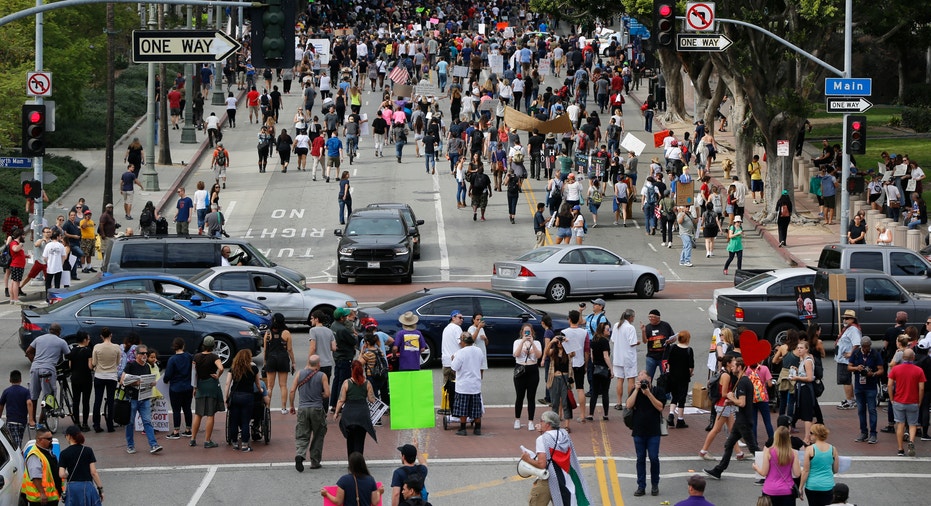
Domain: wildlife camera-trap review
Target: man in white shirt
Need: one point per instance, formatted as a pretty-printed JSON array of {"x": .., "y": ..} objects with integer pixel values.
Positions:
[
  {"x": 624, "y": 354},
  {"x": 467, "y": 363},
  {"x": 576, "y": 339},
  {"x": 450, "y": 345},
  {"x": 667, "y": 141}
]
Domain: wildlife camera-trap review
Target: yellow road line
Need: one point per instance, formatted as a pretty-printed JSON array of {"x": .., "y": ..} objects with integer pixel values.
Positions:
[
  {"x": 602, "y": 481},
  {"x": 615, "y": 483},
  {"x": 532, "y": 202}
]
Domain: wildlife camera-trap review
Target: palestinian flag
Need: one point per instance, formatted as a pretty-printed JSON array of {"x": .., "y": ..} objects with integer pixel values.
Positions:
[{"x": 567, "y": 485}]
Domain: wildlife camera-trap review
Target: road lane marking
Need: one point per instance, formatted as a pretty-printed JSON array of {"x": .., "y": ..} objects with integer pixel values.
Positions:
[
  {"x": 615, "y": 482},
  {"x": 440, "y": 230},
  {"x": 204, "y": 483},
  {"x": 532, "y": 202},
  {"x": 668, "y": 267},
  {"x": 650, "y": 244},
  {"x": 602, "y": 481},
  {"x": 229, "y": 209}
]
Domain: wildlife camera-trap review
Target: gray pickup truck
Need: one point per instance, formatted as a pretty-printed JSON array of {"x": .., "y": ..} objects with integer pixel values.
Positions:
[{"x": 875, "y": 296}]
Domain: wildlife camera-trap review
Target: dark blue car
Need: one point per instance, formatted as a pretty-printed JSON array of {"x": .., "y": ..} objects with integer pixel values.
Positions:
[
  {"x": 182, "y": 292},
  {"x": 503, "y": 315}
]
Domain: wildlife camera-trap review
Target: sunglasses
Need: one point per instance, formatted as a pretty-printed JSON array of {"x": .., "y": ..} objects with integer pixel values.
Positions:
[{"x": 45, "y": 438}]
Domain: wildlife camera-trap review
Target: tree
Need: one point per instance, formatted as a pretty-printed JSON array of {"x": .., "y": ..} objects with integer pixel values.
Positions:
[{"x": 576, "y": 12}]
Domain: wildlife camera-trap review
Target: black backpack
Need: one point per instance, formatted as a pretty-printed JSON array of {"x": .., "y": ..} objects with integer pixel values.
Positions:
[
  {"x": 6, "y": 256},
  {"x": 146, "y": 218},
  {"x": 221, "y": 157},
  {"x": 714, "y": 388},
  {"x": 380, "y": 369}
]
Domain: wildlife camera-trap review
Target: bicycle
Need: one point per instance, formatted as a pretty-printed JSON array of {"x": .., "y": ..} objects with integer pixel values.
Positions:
[
  {"x": 52, "y": 406},
  {"x": 352, "y": 143}
]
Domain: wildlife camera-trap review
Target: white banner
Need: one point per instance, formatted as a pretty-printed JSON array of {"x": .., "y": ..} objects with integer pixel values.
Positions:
[
  {"x": 631, "y": 143},
  {"x": 160, "y": 418},
  {"x": 496, "y": 63},
  {"x": 544, "y": 68}
]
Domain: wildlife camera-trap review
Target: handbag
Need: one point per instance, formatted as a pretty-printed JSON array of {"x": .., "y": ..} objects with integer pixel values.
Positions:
[
  {"x": 628, "y": 415},
  {"x": 601, "y": 371},
  {"x": 571, "y": 399},
  {"x": 818, "y": 387},
  {"x": 121, "y": 411},
  {"x": 519, "y": 370}
]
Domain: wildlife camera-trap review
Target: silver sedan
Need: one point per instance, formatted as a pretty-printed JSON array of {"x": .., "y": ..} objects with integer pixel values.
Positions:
[
  {"x": 281, "y": 295},
  {"x": 557, "y": 272}
]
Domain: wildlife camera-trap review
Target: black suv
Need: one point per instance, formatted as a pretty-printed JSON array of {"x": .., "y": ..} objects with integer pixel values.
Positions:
[
  {"x": 376, "y": 243},
  {"x": 410, "y": 221}
]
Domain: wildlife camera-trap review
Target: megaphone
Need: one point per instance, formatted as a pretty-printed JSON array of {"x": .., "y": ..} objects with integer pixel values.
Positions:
[{"x": 526, "y": 470}]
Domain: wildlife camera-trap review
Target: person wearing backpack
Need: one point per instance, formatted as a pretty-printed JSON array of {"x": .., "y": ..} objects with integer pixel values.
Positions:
[
  {"x": 595, "y": 197},
  {"x": 376, "y": 365},
  {"x": 718, "y": 386},
  {"x": 220, "y": 162},
  {"x": 410, "y": 469},
  {"x": 650, "y": 198},
  {"x": 148, "y": 218}
]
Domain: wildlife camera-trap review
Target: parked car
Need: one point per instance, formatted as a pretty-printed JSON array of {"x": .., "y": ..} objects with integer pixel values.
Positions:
[
  {"x": 771, "y": 282},
  {"x": 376, "y": 244},
  {"x": 280, "y": 294},
  {"x": 156, "y": 320},
  {"x": 558, "y": 272},
  {"x": 188, "y": 294},
  {"x": 409, "y": 219},
  {"x": 12, "y": 468},
  {"x": 503, "y": 316},
  {"x": 185, "y": 256},
  {"x": 910, "y": 268}
]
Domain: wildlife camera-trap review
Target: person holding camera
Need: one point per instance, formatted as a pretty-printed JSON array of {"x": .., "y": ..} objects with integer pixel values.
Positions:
[
  {"x": 527, "y": 352},
  {"x": 647, "y": 401},
  {"x": 558, "y": 380}
]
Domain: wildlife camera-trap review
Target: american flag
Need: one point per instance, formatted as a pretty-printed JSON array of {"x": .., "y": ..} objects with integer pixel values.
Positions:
[{"x": 399, "y": 75}]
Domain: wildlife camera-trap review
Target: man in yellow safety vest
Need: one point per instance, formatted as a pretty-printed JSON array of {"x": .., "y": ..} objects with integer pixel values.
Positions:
[{"x": 41, "y": 483}]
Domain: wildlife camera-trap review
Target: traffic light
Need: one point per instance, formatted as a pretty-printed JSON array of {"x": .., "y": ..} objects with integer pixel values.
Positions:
[
  {"x": 664, "y": 23},
  {"x": 856, "y": 135},
  {"x": 33, "y": 129},
  {"x": 32, "y": 189},
  {"x": 273, "y": 34}
]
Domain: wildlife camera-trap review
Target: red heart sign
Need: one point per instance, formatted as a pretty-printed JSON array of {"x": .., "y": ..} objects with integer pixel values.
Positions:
[{"x": 752, "y": 349}]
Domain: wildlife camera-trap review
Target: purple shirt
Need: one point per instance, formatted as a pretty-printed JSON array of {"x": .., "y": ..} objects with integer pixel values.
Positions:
[
  {"x": 410, "y": 343},
  {"x": 695, "y": 500}
]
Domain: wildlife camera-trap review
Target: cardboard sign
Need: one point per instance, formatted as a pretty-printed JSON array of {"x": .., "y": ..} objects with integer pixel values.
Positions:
[
  {"x": 658, "y": 138},
  {"x": 160, "y": 418},
  {"x": 402, "y": 90},
  {"x": 685, "y": 193},
  {"x": 427, "y": 90},
  {"x": 460, "y": 71},
  {"x": 631, "y": 143},
  {"x": 488, "y": 105},
  {"x": 544, "y": 68},
  {"x": 805, "y": 302},
  {"x": 496, "y": 63}
]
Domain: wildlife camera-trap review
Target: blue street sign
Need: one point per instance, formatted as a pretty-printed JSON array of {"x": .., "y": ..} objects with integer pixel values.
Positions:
[
  {"x": 9, "y": 162},
  {"x": 849, "y": 87}
]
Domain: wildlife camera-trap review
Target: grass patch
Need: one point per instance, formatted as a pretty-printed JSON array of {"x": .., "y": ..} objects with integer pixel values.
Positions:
[{"x": 65, "y": 168}]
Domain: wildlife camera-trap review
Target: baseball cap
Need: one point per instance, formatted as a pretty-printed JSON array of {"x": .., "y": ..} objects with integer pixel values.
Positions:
[
  {"x": 455, "y": 313},
  {"x": 369, "y": 322},
  {"x": 925, "y": 344},
  {"x": 599, "y": 301},
  {"x": 109, "y": 205},
  {"x": 408, "y": 451},
  {"x": 209, "y": 342},
  {"x": 340, "y": 312},
  {"x": 738, "y": 218},
  {"x": 576, "y": 208},
  {"x": 87, "y": 212}
]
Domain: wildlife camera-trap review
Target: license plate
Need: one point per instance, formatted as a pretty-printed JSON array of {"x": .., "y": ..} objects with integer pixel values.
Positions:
[
  {"x": 374, "y": 265},
  {"x": 507, "y": 273}
]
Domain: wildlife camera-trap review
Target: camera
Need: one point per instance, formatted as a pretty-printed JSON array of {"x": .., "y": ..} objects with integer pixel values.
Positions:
[{"x": 644, "y": 384}]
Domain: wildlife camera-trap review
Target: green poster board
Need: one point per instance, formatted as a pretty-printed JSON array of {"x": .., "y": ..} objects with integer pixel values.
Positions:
[{"x": 412, "y": 400}]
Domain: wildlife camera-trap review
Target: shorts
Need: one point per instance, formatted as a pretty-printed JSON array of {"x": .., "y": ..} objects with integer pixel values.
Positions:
[
  {"x": 905, "y": 413},
  {"x": 593, "y": 208},
  {"x": 468, "y": 405},
  {"x": 37, "y": 267},
  {"x": 16, "y": 273},
  {"x": 278, "y": 363},
  {"x": 844, "y": 377},
  {"x": 332, "y": 161},
  {"x": 175, "y": 112},
  {"x": 480, "y": 201},
  {"x": 578, "y": 232},
  {"x": 127, "y": 197},
  {"x": 220, "y": 171},
  {"x": 88, "y": 245},
  {"x": 208, "y": 406},
  {"x": 563, "y": 232},
  {"x": 830, "y": 202},
  {"x": 619, "y": 204},
  {"x": 578, "y": 374},
  {"x": 621, "y": 371},
  {"x": 756, "y": 185},
  {"x": 725, "y": 411},
  {"x": 301, "y": 151}
]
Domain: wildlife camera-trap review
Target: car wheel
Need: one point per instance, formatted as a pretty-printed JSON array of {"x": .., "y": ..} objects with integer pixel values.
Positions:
[
  {"x": 777, "y": 334},
  {"x": 520, "y": 296},
  {"x": 224, "y": 349},
  {"x": 328, "y": 314},
  {"x": 646, "y": 287},
  {"x": 427, "y": 355},
  {"x": 340, "y": 279},
  {"x": 558, "y": 290}
]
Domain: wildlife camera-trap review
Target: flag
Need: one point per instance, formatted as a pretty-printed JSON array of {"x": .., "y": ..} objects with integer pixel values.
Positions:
[
  {"x": 567, "y": 485},
  {"x": 399, "y": 75}
]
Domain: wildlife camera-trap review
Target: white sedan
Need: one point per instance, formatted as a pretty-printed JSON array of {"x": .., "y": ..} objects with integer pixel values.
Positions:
[
  {"x": 774, "y": 282},
  {"x": 557, "y": 272},
  {"x": 281, "y": 295}
]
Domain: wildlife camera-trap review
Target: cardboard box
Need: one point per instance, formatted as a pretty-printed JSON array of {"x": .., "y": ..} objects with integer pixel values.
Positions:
[{"x": 700, "y": 397}]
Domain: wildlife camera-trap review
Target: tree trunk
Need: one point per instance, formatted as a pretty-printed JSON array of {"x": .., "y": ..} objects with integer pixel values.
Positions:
[
  {"x": 111, "y": 92},
  {"x": 675, "y": 101}
]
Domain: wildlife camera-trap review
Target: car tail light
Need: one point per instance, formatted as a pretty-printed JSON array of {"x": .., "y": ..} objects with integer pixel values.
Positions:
[
  {"x": 31, "y": 327},
  {"x": 525, "y": 273},
  {"x": 494, "y": 270},
  {"x": 53, "y": 300},
  {"x": 739, "y": 314}
]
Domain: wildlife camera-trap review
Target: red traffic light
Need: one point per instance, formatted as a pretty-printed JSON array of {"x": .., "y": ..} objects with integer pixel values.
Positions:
[
  {"x": 35, "y": 116},
  {"x": 665, "y": 10},
  {"x": 855, "y": 125}
]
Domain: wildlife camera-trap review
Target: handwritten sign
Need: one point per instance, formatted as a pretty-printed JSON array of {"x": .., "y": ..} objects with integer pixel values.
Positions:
[{"x": 460, "y": 71}]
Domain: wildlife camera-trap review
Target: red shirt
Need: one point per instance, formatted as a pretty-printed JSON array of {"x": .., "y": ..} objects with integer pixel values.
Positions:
[
  {"x": 253, "y": 98},
  {"x": 18, "y": 258},
  {"x": 617, "y": 84},
  {"x": 174, "y": 99},
  {"x": 316, "y": 148},
  {"x": 907, "y": 376}
]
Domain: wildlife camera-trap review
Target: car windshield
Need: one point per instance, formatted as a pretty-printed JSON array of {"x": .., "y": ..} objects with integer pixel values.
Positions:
[
  {"x": 537, "y": 255},
  {"x": 399, "y": 301},
  {"x": 756, "y": 281},
  {"x": 375, "y": 226}
]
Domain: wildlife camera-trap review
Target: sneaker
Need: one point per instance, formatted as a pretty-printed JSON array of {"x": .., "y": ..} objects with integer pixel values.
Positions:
[
  {"x": 130, "y": 450},
  {"x": 901, "y": 453},
  {"x": 740, "y": 456},
  {"x": 680, "y": 424},
  {"x": 155, "y": 449},
  {"x": 669, "y": 244},
  {"x": 173, "y": 435},
  {"x": 530, "y": 426},
  {"x": 543, "y": 402},
  {"x": 462, "y": 432},
  {"x": 640, "y": 492},
  {"x": 861, "y": 439},
  {"x": 872, "y": 440},
  {"x": 760, "y": 482},
  {"x": 911, "y": 449},
  {"x": 477, "y": 432},
  {"x": 712, "y": 473},
  {"x": 378, "y": 424},
  {"x": 210, "y": 444},
  {"x": 705, "y": 455},
  {"x": 299, "y": 463},
  {"x": 670, "y": 420},
  {"x": 186, "y": 433},
  {"x": 845, "y": 404},
  {"x": 192, "y": 443},
  {"x": 888, "y": 429},
  {"x": 654, "y": 491},
  {"x": 687, "y": 264},
  {"x": 740, "y": 443},
  {"x": 246, "y": 449},
  {"x": 516, "y": 424},
  {"x": 926, "y": 437}
]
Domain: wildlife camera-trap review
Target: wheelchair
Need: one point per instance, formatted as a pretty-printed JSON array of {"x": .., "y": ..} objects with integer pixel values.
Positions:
[{"x": 260, "y": 426}]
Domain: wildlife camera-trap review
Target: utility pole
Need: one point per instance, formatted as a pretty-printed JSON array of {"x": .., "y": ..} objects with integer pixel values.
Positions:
[
  {"x": 164, "y": 147},
  {"x": 188, "y": 132},
  {"x": 219, "y": 98},
  {"x": 845, "y": 165},
  {"x": 111, "y": 93},
  {"x": 149, "y": 174},
  {"x": 37, "y": 166}
]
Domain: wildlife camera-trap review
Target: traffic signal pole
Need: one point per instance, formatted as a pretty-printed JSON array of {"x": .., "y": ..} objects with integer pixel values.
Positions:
[
  {"x": 845, "y": 163},
  {"x": 37, "y": 167}
]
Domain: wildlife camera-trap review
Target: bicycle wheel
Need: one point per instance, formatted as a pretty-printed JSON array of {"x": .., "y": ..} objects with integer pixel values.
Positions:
[
  {"x": 49, "y": 415},
  {"x": 68, "y": 407}
]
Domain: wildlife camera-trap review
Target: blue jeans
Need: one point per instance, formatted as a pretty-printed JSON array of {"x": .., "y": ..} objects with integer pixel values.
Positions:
[
  {"x": 144, "y": 408},
  {"x": 652, "y": 365},
  {"x": 461, "y": 192},
  {"x": 762, "y": 408},
  {"x": 644, "y": 444},
  {"x": 453, "y": 160},
  {"x": 686, "y": 256},
  {"x": 648, "y": 120},
  {"x": 398, "y": 149},
  {"x": 649, "y": 217},
  {"x": 344, "y": 205},
  {"x": 201, "y": 214},
  {"x": 341, "y": 372},
  {"x": 866, "y": 404},
  {"x": 429, "y": 160},
  {"x": 442, "y": 79}
]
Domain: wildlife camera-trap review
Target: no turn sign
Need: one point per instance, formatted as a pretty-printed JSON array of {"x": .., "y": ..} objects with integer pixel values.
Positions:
[
  {"x": 699, "y": 17},
  {"x": 39, "y": 84}
]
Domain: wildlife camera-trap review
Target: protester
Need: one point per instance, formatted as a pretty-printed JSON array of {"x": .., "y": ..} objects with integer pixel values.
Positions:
[
  {"x": 313, "y": 390},
  {"x": 555, "y": 453}
]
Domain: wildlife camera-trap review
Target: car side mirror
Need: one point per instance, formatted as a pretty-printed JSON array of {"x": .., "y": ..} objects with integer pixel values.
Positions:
[
  {"x": 338, "y": 232},
  {"x": 524, "y": 317},
  {"x": 178, "y": 319},
  {"x": 196, "y": 300},
  {"x": 420, "y": 222}
]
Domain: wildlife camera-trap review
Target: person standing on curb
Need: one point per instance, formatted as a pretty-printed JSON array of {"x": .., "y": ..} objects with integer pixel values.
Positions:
[
  {"x": 183, "y": 216},
  {"x": 208, "y": 398},
  {"x": 686, "y": 234},
  {"x": 467, "y": 364},
  {"x": 907, "y": 380}
]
